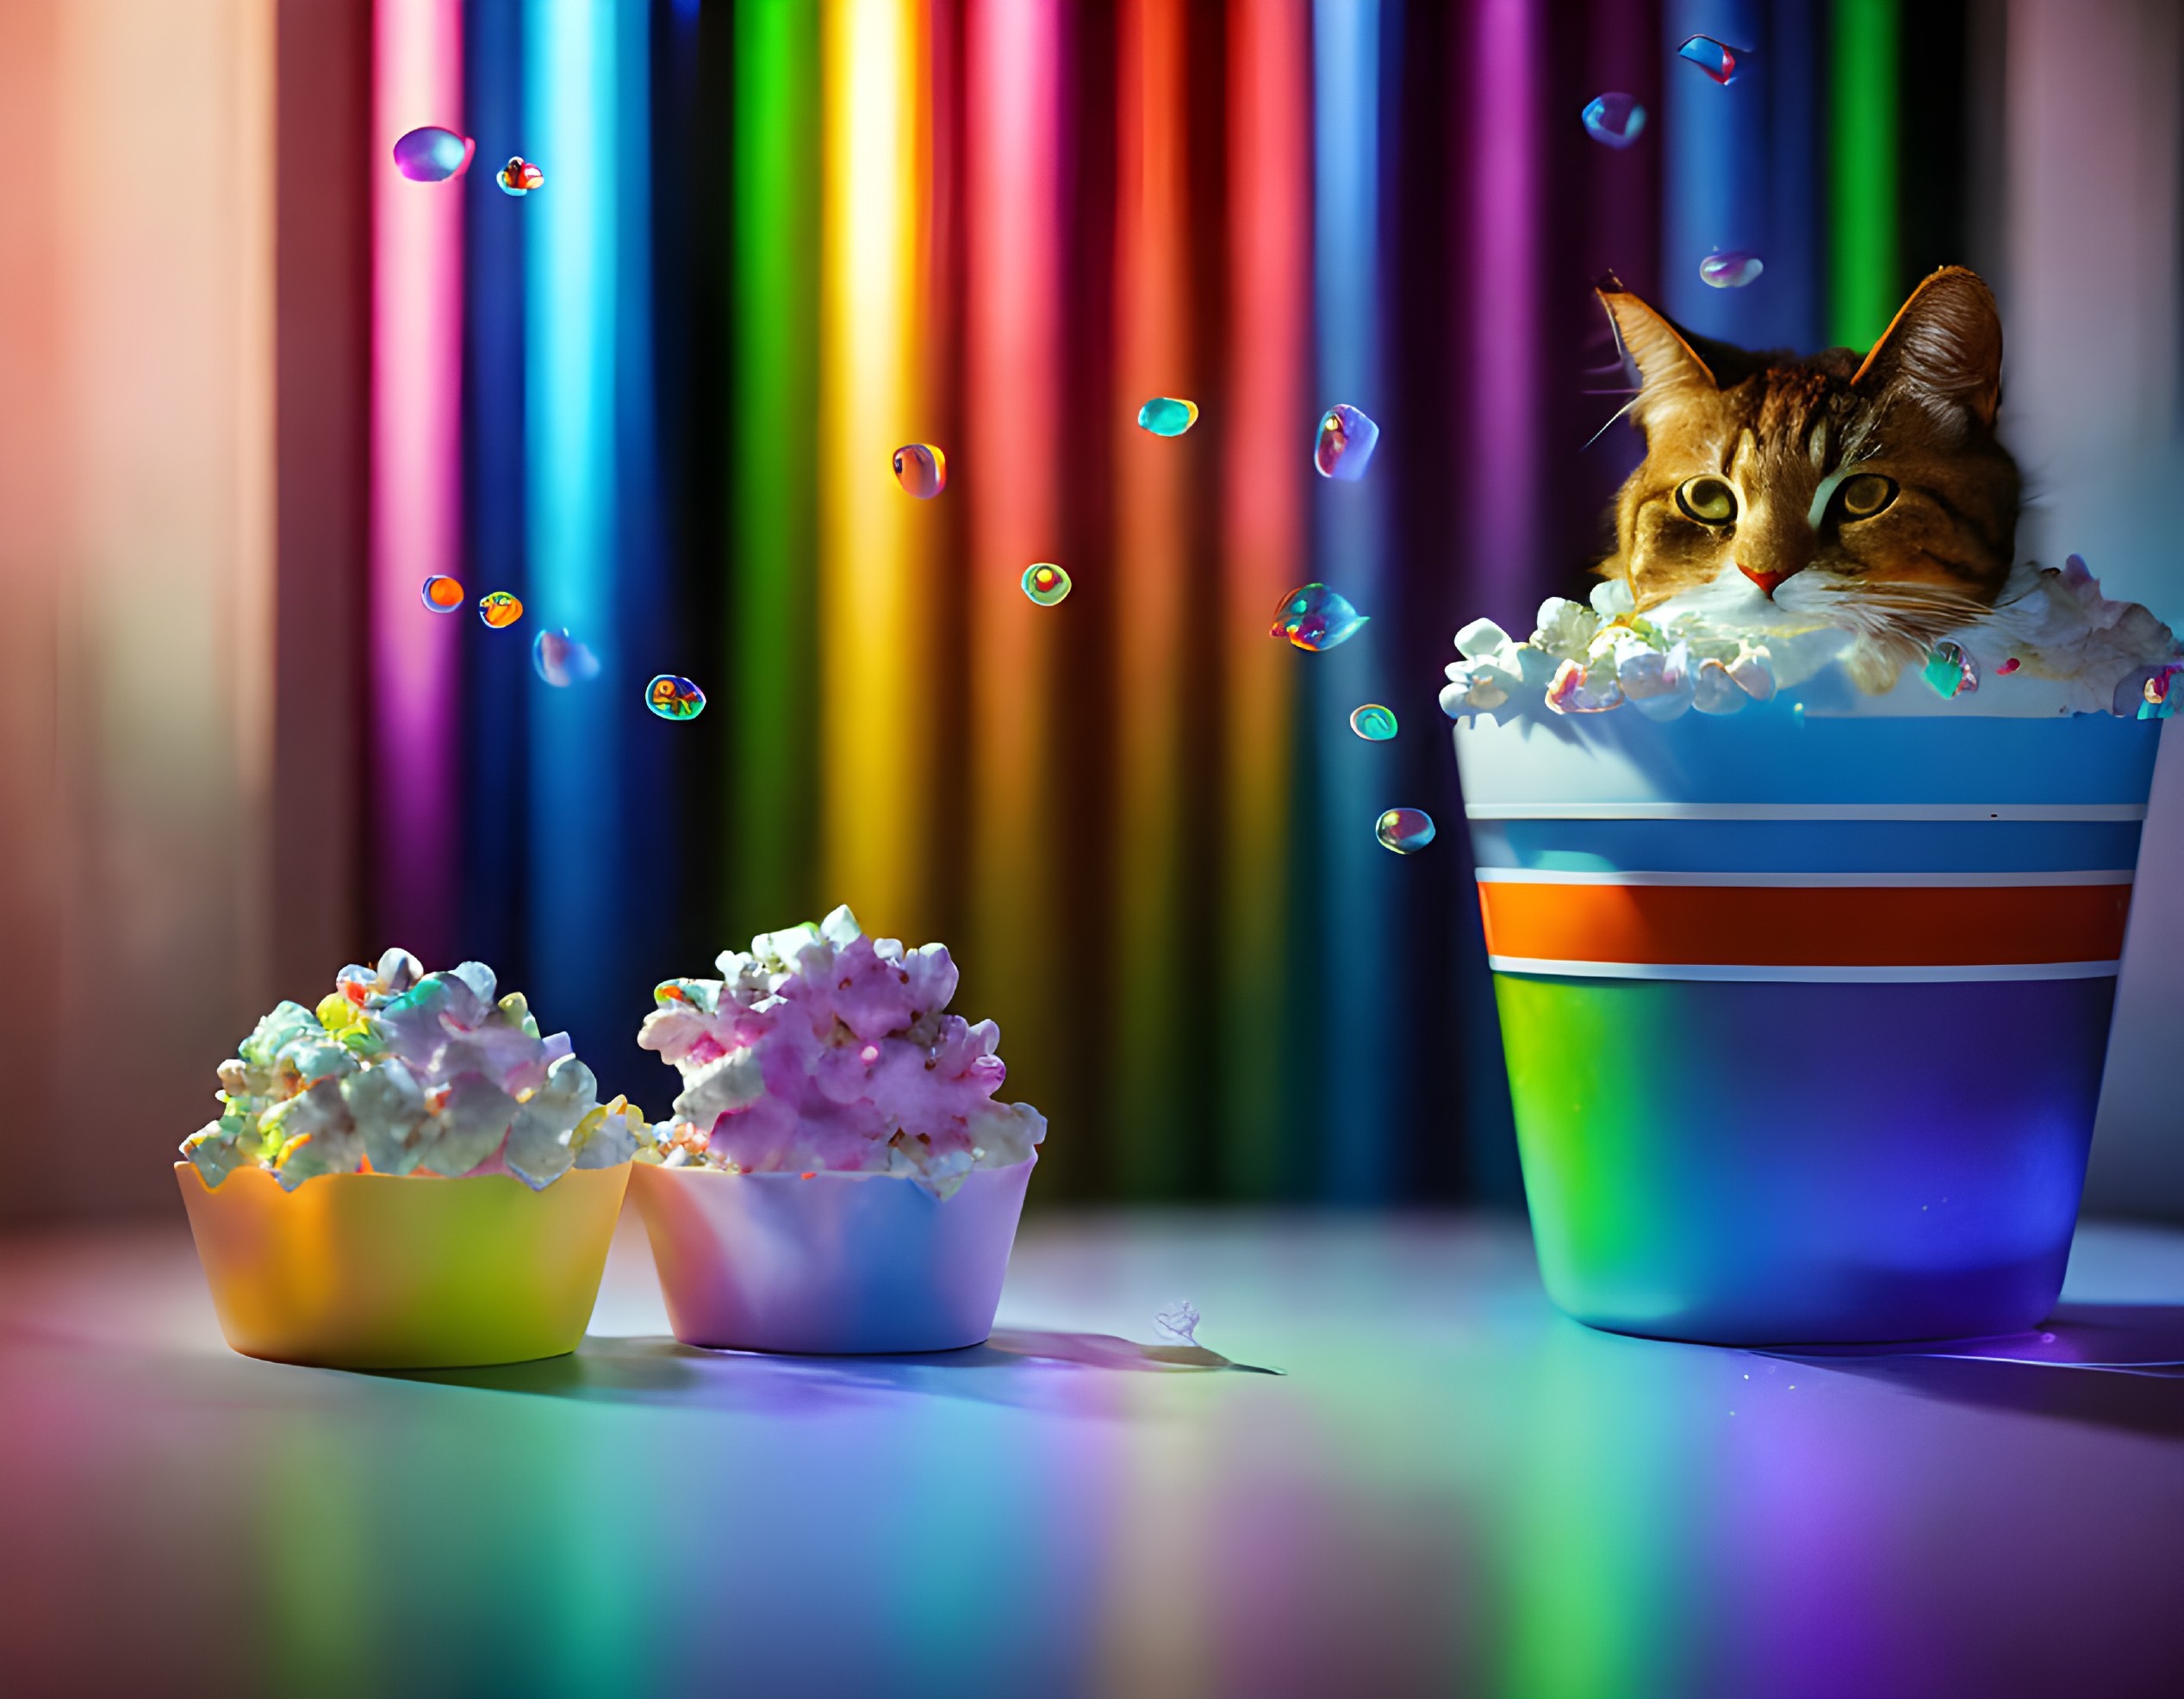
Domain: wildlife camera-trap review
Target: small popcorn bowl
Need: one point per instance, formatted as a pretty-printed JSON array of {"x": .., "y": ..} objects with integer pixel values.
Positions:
[
  {"x": 369, "y": 1271},
  {"x": 831, "y": 1264}
]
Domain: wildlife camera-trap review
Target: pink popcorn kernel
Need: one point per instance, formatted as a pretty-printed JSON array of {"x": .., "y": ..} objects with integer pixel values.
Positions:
[
  {"x": 828, "y": 1051},
  {"x": 1573, "y": 691}
]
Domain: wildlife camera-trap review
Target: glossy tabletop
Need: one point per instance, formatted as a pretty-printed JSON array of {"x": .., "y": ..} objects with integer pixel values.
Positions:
[{"x": 1450, "y": 1490}]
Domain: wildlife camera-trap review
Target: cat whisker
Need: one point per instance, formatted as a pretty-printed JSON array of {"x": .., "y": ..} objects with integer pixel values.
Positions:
[
  {"x": 1925, "y": 597},
  {"x": 1612, "y": 417}
]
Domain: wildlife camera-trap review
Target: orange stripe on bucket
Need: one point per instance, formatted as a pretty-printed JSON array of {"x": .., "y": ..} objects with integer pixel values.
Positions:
[{"x": 1857, "y": 926}]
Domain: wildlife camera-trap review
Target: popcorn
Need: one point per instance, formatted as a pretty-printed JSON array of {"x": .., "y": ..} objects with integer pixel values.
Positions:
[
  {"x": 1714, "y": 692},
  {"x": 1643, "y": 673},
  {"x": 2059, "y": 626},
  {"x": 1611, "y": 596},
  {"x": 387, "y": 1105},
  {"x": 1749, "y": 670},
  {"x": 2087, "y": 654},
  {"x": 1576, "y": 691},
  {"x": 1565, "y": 628},
  {"x": 2157, "y": 694},
  {"x": 820, "y": 1049},
  {"x": 397, "y": 1070},
  {"x": 1481, "y": 640},
  {"x": 1474, "y": 686}
]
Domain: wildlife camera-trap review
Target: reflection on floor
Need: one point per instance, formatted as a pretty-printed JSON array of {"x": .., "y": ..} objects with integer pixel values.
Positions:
[{"x": 1448, "y": 1488}]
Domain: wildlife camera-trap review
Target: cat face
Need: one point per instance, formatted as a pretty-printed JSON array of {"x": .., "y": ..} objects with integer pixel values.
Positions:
[{"x": 1789, "y": 494}]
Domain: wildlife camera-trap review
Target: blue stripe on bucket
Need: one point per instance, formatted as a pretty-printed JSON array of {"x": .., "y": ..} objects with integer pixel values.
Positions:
[
  {"x": 1972, "y": 812},
  {"x": 1937, "y": 974},
  {"x": 1717, "y": 879},
  {"x": 1819, "y": 846},
  {"x": 1763, "y": 757}
]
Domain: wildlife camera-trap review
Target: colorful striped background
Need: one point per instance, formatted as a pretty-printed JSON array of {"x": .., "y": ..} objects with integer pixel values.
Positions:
[
  {"x": 778, "y": 241},
  {"x": 656, "y": 401}
]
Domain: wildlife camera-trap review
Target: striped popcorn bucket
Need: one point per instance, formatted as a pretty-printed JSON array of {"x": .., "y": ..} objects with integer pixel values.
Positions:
[{"x": 1805, "y": 1018}]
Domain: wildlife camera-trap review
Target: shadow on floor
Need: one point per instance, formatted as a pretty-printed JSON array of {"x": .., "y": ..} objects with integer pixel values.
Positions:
[
  {"x": 2118, "y": 1366},
  {"x": 1015, "y": 1366}
]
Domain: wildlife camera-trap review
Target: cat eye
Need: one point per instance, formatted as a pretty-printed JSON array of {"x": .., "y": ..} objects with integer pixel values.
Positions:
[
  {"x": 1865, "y": 494},
  {"x": 1709, "y": 500}
]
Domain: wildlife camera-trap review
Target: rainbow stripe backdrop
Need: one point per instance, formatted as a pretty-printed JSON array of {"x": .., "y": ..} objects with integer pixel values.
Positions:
[{"x": 658, "y": 399}]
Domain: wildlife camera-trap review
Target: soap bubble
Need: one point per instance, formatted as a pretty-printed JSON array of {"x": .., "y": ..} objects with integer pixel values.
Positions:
[
  {"x": 519, "y": 176},
  {"x": 921, "y": 470},
  {"x": 1316, "y": 618},
  {"x": 1180, "y": 1321},
  {"x": 1951, "y": 671},
  {"x": 1346, "y": 444},
  {"x": 432, "y": 154},
  {"x": 440, "y": 593},
  {"x": 560, "y": 660},
  {"x": 1168, "y": 415},
  {"x": 498, "y": 608},
  {"x": 1730, "y": 271},
  {"x": 1045, "y": 582},
  {"x": 1405, "y": 830},
  {"x": 1616, "y": 120},
  {"x": 1373, "y": 723},
  {"x": 672, "y": 697},
  {"x": 1717, "y": 58}
]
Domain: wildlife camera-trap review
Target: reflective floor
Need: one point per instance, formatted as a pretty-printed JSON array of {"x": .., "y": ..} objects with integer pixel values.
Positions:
[{"x": 1449, "y": 1489}]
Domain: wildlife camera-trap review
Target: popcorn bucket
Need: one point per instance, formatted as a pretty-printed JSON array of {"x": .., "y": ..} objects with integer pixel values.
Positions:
[
  {"x": 831, "y": 1264},
  {"x": 371, "y": 1270},
  {"x": 1805, "y": 1018}
]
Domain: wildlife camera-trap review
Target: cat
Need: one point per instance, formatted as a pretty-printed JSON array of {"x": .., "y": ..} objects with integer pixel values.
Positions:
[{"x": 1786, "y": 493}]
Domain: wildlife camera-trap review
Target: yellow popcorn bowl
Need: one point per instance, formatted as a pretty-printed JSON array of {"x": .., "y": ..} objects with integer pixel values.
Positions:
[{"x": 383, "y": 1271}]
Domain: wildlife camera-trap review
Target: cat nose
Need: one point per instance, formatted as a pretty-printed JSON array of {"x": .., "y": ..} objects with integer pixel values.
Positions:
[{"x": 1766, "y": 581}]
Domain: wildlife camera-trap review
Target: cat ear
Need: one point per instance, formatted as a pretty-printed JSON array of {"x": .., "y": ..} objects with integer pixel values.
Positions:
[
  {"x": 1944, "y": 349},
  {"x": 1665, "y": 360}
]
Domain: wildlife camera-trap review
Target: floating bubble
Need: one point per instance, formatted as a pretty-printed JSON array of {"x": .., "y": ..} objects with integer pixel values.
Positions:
[
  {"x": 1316, "y": 618},
  {"x": 519, "y": 176},
  {"x": 1168, "y": 415},
  {"x": 1346, "y": 444},
  {"x": 921, "y": 470},
  {"x": 1951, "y": 671},
  {"x": 674, "y": 698},
  {"x": 1180, "y": 1321},
  {"x": 1730, "y": 271},
  {"x": 498, "y": 608},
  {"x": 1045, "y": 582},
  {"x": 1617, "y": 119},
  {"x": 432, "y": 154},
  {"x": 1405, "y": 830},
  {"x": 560, "y": 660},
  {"x": 1373, "y": 723},
  {"x": 1717, "y": 58},
  {"x": 440, "y": 593}
]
